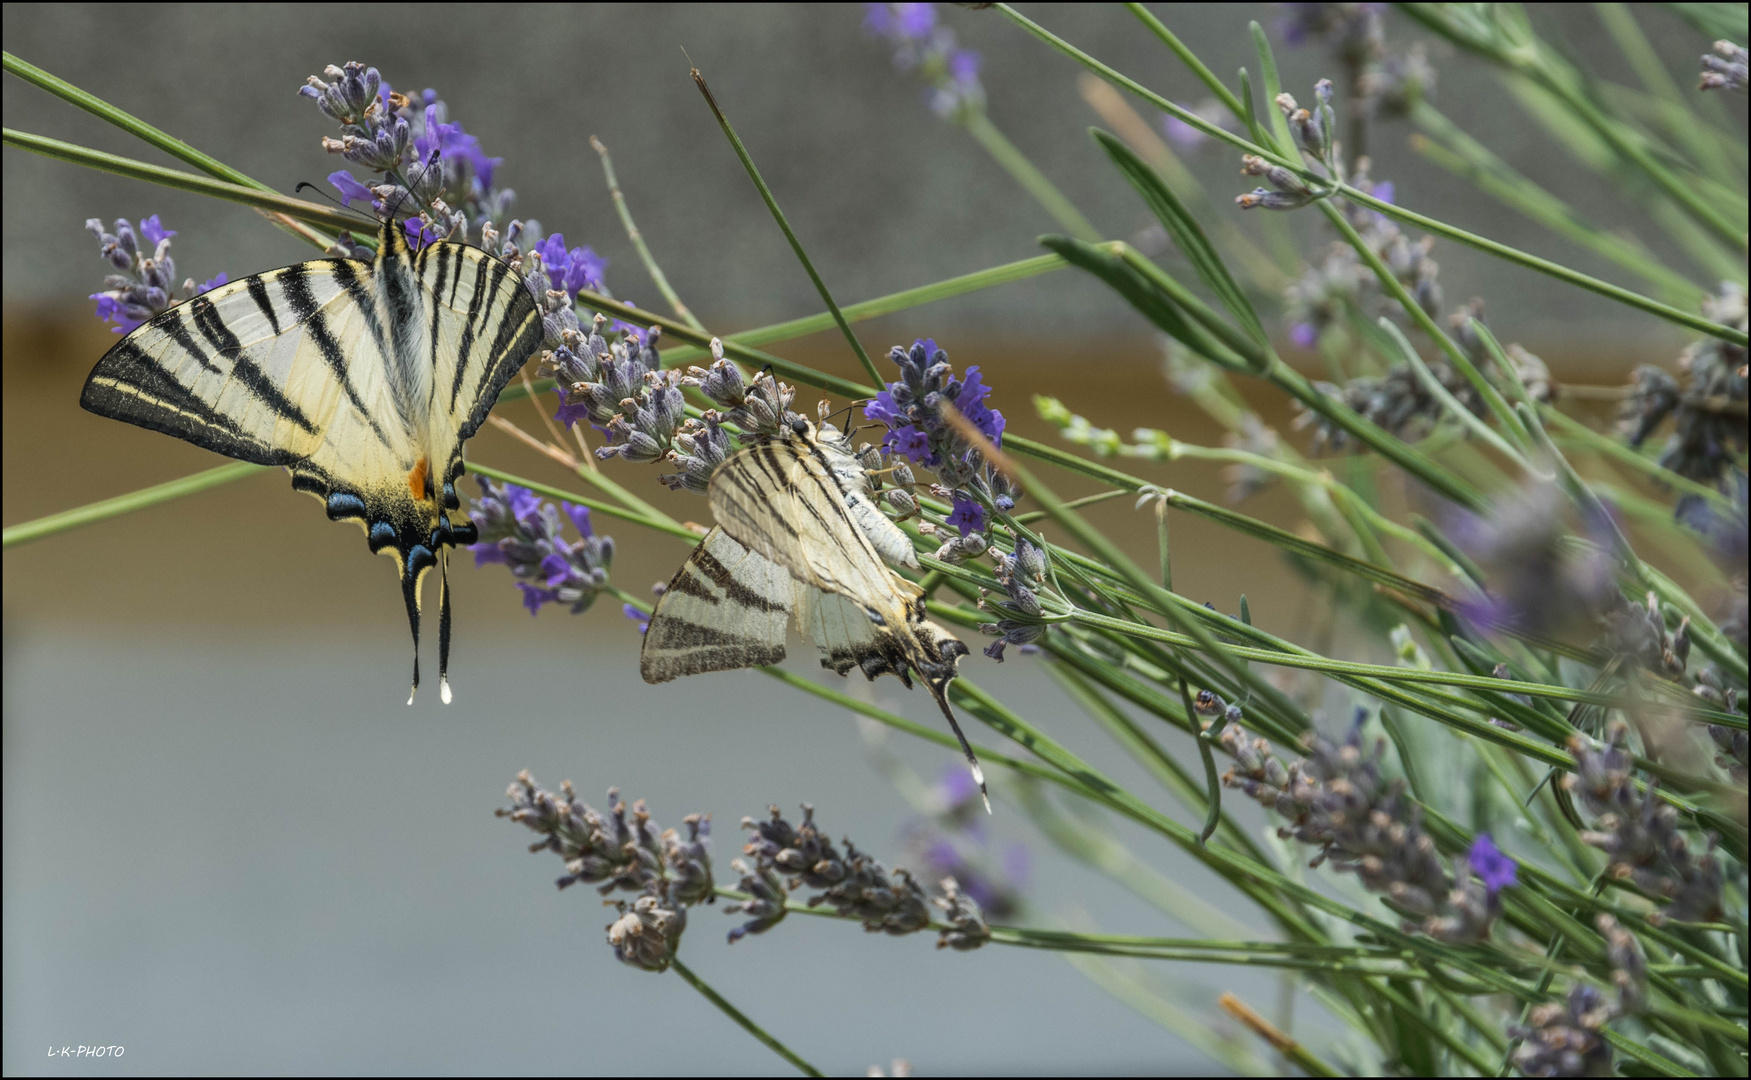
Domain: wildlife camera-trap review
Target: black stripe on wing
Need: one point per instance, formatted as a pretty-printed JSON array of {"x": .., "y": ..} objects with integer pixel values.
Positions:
[{"x": 130, "y": 385}]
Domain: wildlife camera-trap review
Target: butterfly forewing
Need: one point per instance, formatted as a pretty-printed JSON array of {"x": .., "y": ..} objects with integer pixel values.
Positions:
[{"x": 779, "y": 499}]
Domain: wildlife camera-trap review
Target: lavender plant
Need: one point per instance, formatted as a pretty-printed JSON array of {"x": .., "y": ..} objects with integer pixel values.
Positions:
[{"x": 1522, "y": 783}]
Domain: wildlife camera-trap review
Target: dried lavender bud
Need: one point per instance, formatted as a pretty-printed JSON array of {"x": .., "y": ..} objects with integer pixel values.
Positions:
[
  {"x": 648, "y": 931},
  {"x": 766, "y": 906},
  {"x": 1726, "y": 70},
  {"x": 1629, "y": 965},
  {"x": 1339, "y": 799},
  {"x": 1708, "y": 439},
  {"x": 855, "y": 885},
  {"x": 1566, "y": 1039},
  {"x": 689, "y": 861},
  {"x": 969, "y": 930},
  {"x": 1639, "y": 832}
]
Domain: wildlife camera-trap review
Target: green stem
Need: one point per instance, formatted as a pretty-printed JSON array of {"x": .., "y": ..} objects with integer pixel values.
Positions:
[
  {"x": 1063, "y": 211},
  {"x": 658, "y": 278},
  {"x": 1605, "y": 446},
  {"x": 1465, "y": 157},
  {"x": 103, "y": 510},
  {"x": 259, "y": 198},
  {"x": 133, "y": 125},
  {"x": 1528, "y": 58},
  {"x": 742, "y": 1019},
  {"x": 1502, "y": 251},
  {"x": 784, "y": 225}
]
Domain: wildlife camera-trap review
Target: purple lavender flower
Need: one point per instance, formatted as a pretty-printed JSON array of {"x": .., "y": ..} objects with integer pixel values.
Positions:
[
  {"x": 578, "y": 268},
  {"x": 349, "y": 188},
  {"x": 424, "y": 156},
  {"x": 950, "y": 73},
  {"x": 143, "y": 283},
  {"x": 1188, "y": 139},
  {"x": 1539, "y": 582},
  {"x": 1495, "y": 869},
  {"x": 522, "y": 531},
  {"x": 967, "y": 516}
]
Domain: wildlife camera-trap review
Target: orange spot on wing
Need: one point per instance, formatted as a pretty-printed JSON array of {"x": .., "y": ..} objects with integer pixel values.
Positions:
[{"x": 416, "y": 479}]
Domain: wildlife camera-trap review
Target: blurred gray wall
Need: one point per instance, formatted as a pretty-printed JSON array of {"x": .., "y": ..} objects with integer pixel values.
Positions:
[
  {"x": 884, "y": 194},
  {"x": 228, "y": 846}
]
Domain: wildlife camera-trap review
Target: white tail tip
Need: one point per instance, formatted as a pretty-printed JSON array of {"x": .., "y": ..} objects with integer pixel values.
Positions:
[
  {"x": 987, "y": 799},
  {"x": 410, "y": 694},
  {"x": 444, "y": 690}
]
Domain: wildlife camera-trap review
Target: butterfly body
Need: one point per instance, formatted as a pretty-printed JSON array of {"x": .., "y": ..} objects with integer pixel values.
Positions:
[{"x": 364, "y": 380}]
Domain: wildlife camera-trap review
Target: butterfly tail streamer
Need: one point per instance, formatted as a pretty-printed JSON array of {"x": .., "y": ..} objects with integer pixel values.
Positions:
[
  {"x": 939, "y": 691},
  {"x": 444, "y": 625},
  {"x": 410, "y": 594}
]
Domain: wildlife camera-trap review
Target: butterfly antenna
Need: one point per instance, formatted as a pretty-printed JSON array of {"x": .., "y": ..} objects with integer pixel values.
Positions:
[
  {"x": 342, "y": 207},
  {"x": 940, "y": 694}
]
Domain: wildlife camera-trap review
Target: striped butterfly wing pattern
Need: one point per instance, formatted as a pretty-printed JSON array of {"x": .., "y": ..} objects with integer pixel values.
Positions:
[
  {"x": 793, "y": 536},
  {"x": 362, "y": 379}
]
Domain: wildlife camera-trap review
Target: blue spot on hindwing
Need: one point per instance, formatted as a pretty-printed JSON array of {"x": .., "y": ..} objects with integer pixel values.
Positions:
[
  {"x": 419, "y": 557},
  {"x": 344, "y": 504},
  {"x": 382, "y": 535}
]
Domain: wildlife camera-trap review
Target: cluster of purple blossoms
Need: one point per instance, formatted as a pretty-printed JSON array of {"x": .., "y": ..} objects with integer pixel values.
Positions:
[
  {"x": 144, "y": 282},
  {"x": 923, "y": 45},
  {"x": 522, "y": 531},
  {"x": 1539, "y": 582},
  {"x": 621, "y": 388},
  {"x": 669, "y": 872},
  {"x": 1339, "y": 800},
  {"x": 1639, "y": 833},
  {"x": 1708, "y": 440},
  {"x": 422, "y": 156},
  {"x": 911, "y": 409},
  {"x": 1726, "y": 70},
  {"x": 956, "y": 843},
  {"x": 788, "y": 857},
  {"x": 1386, "y": 81}
]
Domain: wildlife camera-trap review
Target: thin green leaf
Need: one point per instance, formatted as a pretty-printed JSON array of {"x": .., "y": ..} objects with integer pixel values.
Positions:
[{"x": 1185, "y": 231}]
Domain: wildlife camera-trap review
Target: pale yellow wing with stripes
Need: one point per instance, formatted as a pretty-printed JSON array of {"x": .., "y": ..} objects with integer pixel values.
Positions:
[
  {"x": 482, "y": 325},
  {"x": 779, "y": 499},
  {"x": 333, "y": 368},
  {"x": 726, "y": 608}
]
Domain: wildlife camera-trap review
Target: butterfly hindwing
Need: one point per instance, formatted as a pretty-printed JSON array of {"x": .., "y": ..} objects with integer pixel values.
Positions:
[{"x": 726, "y": 608}]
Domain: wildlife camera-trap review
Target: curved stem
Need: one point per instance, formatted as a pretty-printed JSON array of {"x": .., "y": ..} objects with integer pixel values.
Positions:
[{"x": 742, "y": 1019}]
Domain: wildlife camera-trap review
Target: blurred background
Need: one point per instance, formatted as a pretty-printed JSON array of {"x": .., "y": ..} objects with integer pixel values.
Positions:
[{"x": 229, "y": 848}]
